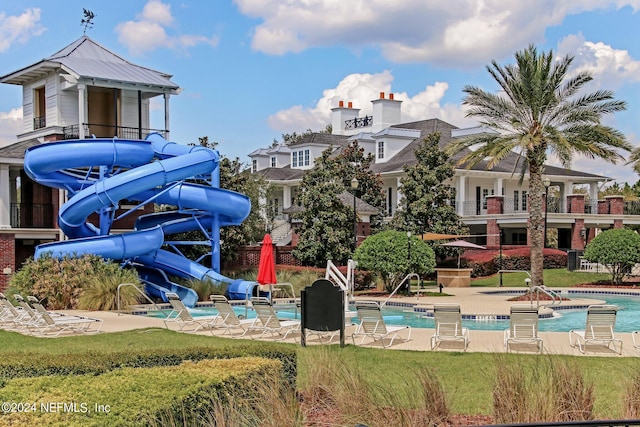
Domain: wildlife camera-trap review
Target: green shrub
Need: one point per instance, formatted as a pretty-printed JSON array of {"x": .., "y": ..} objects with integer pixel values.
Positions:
[
  {"x": 132, "y": 397},
  {"x": 59, "y": 283},
  {"x": 618, "y": 249},
  {"x": 101, "y": 291}
]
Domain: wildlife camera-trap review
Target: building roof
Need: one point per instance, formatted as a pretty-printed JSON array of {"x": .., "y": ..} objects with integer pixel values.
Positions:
[
  {"x": 346, "y": 199},
  {"x": 16, "y": 150},
  {"x": 86, "y": 59}
]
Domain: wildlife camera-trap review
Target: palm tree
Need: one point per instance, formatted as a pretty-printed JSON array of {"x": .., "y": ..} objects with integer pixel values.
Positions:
[{"x": 539, "y": 112}]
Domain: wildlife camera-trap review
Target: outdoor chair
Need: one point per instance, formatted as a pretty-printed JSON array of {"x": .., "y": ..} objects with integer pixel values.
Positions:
[
  {"x": 48, "y": 322},
  {"x": 268, "y": 322},
  {"x": 181, "y": 316},
  {"x": 523, "y": 328},
  {"x": 227, "y": 318},
  {"x": 600, "y": 326},
  {"x": 11, "y": 317},
  {"x": 372, "y": 325},
  {"x": 448, "y": 324}
]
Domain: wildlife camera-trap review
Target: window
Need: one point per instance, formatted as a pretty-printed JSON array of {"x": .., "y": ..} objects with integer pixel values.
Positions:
[
  {"x": 524, "y": 200},
  {"x": 254, "y": 165},
  {"x": 516, "y": 200},
  {"x": 381, "y": 149},
  {"x": 300, "y": 158},
  {"x": 273, "y": 161},
  {"x": 39, "y": 108}
]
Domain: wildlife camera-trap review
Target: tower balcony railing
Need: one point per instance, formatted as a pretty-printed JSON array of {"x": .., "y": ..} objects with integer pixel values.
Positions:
[
  {"x": 358, "y": 122},
  {"x": 555, "y": 205},
  {"x": 109, "y": 131}
]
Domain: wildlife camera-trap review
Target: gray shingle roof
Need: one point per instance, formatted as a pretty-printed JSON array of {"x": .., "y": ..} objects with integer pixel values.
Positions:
[
  {"x": 84, "y": 58},
  {"x": 16, "y": 151}
]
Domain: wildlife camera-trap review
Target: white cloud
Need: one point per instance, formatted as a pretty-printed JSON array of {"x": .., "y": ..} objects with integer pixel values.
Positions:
[
  {"x": 148, "y": 31},
  {"x": 20, "y": 28},
  {"x": 361, "y": 89},
  {"x": 610, "y": 67},
  {"x": 413, "y": 30},
  {"x": 10, "y": 126}
]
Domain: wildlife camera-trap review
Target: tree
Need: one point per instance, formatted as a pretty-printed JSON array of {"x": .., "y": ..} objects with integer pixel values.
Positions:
[
  {"x": 387, "y": 254},
  {"x": 618, "y": 249},
  {"x": 426, "y": 203},
  {"x": 321, "y": 186},
  {"x": 540, "y": 111},
  {"x": 326, "y": 223}
]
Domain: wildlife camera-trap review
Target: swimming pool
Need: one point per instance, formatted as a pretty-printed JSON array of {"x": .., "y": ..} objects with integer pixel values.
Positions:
[{"x": 628, "y": 318}]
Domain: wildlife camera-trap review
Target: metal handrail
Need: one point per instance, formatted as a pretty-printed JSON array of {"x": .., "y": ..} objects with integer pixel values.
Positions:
[
  {"x": 547, "y": 291},
  {"x": 137, "y": 289},
  {"x": 407, "y": 277}
]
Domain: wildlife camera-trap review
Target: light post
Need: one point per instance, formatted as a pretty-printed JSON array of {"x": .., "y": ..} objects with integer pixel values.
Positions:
[
  {"x": 409, "y": 251},
  {"x": 500, "y": 245},
  {"x": 354, "y": 187},
  {"x": 546, "y": 183}
]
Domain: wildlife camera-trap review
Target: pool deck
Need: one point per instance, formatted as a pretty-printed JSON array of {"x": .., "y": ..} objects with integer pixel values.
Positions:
[{"x": 480, "y": 301}]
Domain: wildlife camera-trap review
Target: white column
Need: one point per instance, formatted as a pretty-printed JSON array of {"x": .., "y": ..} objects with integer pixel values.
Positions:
[
  {"x": 461, "y": 195},
  {"x": 5, "y": 197},
  {"x": 593, "y": 191},
  {"x": 82, "y": 109},
  {"x": 499, "y": 186},
  {"x": 399, "y": 196},
  {"x": 166, "y": 115},
  {"x": 286, "y": 197}
]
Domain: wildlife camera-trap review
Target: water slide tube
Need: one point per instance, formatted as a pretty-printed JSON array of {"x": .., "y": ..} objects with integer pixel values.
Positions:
[{"x": 98, "y": 173}]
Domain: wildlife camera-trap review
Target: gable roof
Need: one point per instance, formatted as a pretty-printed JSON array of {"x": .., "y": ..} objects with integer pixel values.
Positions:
[{"x": 86, "y": 59}]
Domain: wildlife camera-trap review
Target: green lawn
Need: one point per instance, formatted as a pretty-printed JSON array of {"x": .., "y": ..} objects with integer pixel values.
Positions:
[
  {"x": 466, "y": 377},
  {"x": 560, "y": 277}
]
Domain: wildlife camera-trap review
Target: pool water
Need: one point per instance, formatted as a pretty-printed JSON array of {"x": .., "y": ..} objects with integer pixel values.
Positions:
[{"x": 628, "y": 318}]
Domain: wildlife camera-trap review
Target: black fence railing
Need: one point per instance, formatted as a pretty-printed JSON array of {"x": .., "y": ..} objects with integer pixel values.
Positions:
[
  {"x": 39, "y": 122},
  {"x": 358, "y": 122},
  {"x": 28, "y": 215},
  {"x": 109, "y": 131},
  {"x": 631, "y": 208}
]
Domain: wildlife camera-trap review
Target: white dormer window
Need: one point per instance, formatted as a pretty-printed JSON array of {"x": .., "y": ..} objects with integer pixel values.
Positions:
[
  {"x": 381, "y": 149},
  {"x": 254, "y": 165},
  {"x": 273, "y": 161},
  {"x": 300, "y": 158}
]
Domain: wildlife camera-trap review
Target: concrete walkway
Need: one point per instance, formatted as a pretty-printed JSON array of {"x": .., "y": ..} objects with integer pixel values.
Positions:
[{"x": 481, "y": 301}]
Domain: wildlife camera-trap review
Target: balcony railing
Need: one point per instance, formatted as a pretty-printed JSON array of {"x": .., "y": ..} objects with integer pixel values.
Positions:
[
  {"x": 554, "y": 205},
  {"x": 109, "y": 131},
  {"x": 28, "y": 215},
  {"x": 358, "y": 122},
  {"x": 39, "y": 122},
  {"x": 632, "y": 208}
]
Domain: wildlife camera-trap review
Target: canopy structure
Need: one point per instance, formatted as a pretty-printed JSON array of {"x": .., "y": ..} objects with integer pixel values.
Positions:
[
  {"x": 463, "y": 244},
  {"x": 439, "y": 236}
]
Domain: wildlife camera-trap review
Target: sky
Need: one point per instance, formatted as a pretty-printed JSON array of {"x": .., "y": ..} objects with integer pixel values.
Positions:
[{"x": 253, "y": 70}]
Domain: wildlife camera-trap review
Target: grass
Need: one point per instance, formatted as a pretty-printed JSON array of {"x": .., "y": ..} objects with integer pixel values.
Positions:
[
  {"x": 560, "y": 277},
  {"x": 469, "y": 390}
]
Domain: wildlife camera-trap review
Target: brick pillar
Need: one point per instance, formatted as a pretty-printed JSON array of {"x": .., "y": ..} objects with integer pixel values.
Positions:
[
  {"x": 575, "y": 203},
  {"x": 495, "y": 205},
  {"x": 576, "y": 234},
  {"x": 603, "y": 207},
  {"x": 616, "y": 204},
  {"x": 7, "y": 259}
]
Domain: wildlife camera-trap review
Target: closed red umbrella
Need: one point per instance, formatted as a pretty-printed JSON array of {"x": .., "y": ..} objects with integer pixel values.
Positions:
[{"x": 267, "y": 266}]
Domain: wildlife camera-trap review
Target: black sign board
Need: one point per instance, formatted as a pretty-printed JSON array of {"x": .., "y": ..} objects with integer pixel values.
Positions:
[{"x": 322, "y": 309}]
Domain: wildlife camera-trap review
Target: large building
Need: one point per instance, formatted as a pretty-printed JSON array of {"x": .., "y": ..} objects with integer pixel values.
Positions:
[
  {"x": 489, "y": 201},
  {"x": 80, "y": 91}
]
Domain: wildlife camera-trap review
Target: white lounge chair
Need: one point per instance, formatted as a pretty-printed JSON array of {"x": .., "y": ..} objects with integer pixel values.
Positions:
[
  {"x": 227, "y": 317},
  {"x": 523, "y": 327},
  {"x": 181, "y": 316},
  {"x": 268, "y": 322},
  {"x": 11, "y": 317},
  {"x": 448, "y": 319},
  {"x": 600, "y": 326},
  {"x": 49, "y": 322},
  {"x": 372, "y": 325}
]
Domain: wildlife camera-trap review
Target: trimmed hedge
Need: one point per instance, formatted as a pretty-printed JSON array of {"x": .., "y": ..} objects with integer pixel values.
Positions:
[
  {"x": 36, "y": 365},
  {"x": 135, "y": 396},
  {"x": 486, "y": 263}
]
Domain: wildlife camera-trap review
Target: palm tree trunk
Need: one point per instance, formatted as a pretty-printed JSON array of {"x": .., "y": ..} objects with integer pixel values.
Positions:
[{"x": 536, "y": 223}]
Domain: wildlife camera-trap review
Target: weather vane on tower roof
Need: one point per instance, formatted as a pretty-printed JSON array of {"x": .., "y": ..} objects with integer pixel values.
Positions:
[{"x": 87, "y": 21}]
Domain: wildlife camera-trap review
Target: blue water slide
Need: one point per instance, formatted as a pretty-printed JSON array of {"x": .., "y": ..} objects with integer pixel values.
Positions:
[{"x": 98, "y": 173}]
